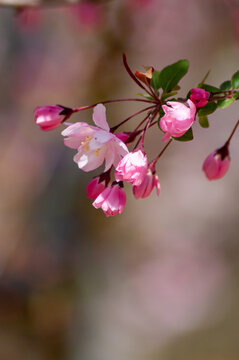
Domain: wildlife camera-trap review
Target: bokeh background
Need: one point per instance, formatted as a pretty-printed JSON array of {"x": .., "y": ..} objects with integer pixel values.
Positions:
[{"x": 160, "y": 281}]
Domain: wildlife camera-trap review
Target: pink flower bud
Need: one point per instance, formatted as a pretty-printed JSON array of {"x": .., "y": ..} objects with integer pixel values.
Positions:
[
  {"x": 146, "y": 187},
  {"x": 216, "y": 164},
  {"x": 132, "y": 168},
  {"x": 122, "y": 136},
  {"x": 199, "y": 97},
  {"x": 51, "y": 116},
  {"x": 178, "y": 118},
  {"x": 112, "y": 200},
  {"x": 94, "y": 188}
]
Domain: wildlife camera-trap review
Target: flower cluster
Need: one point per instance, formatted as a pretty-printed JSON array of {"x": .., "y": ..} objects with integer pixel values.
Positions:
[{"x": 99, "y": 144}]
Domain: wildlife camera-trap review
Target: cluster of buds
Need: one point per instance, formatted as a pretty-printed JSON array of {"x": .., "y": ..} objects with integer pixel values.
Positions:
[{"x": 99, "y": 144}]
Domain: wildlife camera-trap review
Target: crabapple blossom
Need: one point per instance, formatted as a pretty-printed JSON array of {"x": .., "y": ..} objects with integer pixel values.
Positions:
[
  {"x": 95, "y": 187},
  {"x": 51, "y": 116},
  {"x": 95, "y": 144},
  {"x": 199, "y": 97},
  {"x": 216, "y": 164},
  {"x": 112, "y": 200},
  {"x": 178, "y": 118},
  {"x": 146, "y": 187},
  {"x": 132, "y": 168}
]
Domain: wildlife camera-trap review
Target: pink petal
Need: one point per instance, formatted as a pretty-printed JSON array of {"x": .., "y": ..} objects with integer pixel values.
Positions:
[{"x": 99, "y": 117}]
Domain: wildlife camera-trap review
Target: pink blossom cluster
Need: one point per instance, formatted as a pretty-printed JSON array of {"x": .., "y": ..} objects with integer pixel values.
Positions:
[{"x": 99, "y": 145}]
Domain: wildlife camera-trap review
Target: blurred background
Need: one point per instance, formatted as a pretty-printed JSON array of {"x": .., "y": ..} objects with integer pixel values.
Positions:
[{"x": 160, "y": 281}]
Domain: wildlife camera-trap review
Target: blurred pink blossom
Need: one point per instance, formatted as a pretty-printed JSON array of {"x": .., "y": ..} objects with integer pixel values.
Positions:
[
  {"x": 28, "y": 18},
  {"x": 88, "y": 13}
]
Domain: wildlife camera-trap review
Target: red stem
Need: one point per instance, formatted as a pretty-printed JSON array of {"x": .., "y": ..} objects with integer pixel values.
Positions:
[
  {"x": 130, "y": 117},
  {"x": 111, "y": 101},
  {"x": 233, "y": 132}
]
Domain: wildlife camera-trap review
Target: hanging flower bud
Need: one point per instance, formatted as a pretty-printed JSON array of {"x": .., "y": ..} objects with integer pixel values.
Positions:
[
  {"x": 150, "y": 182},
  {"x": 217, "y": 163},
  {"x": 178, "y": 118},
  {"x": 199, "y": 97},
  {"x": 112, "y": 200},
  {"x": 132, "y": 168},
  {"x": 94, "y": 188},
  {"x": 51, "y": 116}
]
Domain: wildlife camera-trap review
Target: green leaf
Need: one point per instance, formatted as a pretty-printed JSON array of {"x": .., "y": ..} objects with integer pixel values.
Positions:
[
  {"x": 188, "y": 136},
  {"x": 226, "y": 85},
  {"x": 207, "y": 109},
  {"x": 225, "y": 103},
  {"x": 167, "y": 95},
  {"x": 203, "y": 121},
  {"x": 146, "y": 96},
  {"x": 235, "y": 80},
  {"x": 236, "y": 95},
  {"x": 155, "y": 80},
  {"x": 172, "y": 74},
  {"x": 209, "y": 88}
]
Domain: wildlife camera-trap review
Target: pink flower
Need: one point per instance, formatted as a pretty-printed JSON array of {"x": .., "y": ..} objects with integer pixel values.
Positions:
[
  {"x": 199, "y": 97},
  {"x": 132, "y": 168},
  {"x": 146, "y": 187},
  {"x": 112, "y": 200},
  {"x": 95, "y": 144},
  {"x": 217, "y": 164},
  {"x": 178, "y": 118},
  {"x": 51, "y": 116},
  {"x": 95, "y": 187}
]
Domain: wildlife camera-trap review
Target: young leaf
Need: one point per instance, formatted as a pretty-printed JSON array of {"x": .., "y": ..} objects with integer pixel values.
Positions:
[
  {"x": 188, "y": 136},
  {"x": 226, "y": 85},
  {"x": 155, "y": 80},
  {"x": 235, "y": 80},
  {"x": 167, "y": 95},
  {"x": 172, "y": 74},
  {"x": 203, "y": 121},
  {"x": 225, "y": 103},
  {"x": 204, "y": 79},
  {"x": 207, "y": 109}
]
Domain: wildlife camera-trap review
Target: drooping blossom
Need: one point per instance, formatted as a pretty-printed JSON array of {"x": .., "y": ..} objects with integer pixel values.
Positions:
[
  {"x": 217, "y": 164},
  {"x": 95, "y": 187},
  {"x": 112, "y": 200},
  {"x": 199, "y": 97},
  {"x": 95, "y": 144},
  {"x": 150, "y": 182},
  {"x": 132, "y": 168},
  {"x": 178, "y": 118},
  {"x": 51, "y": 116}
]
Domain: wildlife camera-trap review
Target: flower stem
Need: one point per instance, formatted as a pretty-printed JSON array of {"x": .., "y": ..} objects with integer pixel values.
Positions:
[
  {"x": 152, "y": 164},
  {"x": 131, "y": 74},
  {"x": 130, "y": 117},
  {"x": 232, "y": 133},
  {"x": 76, "y": 109}
]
